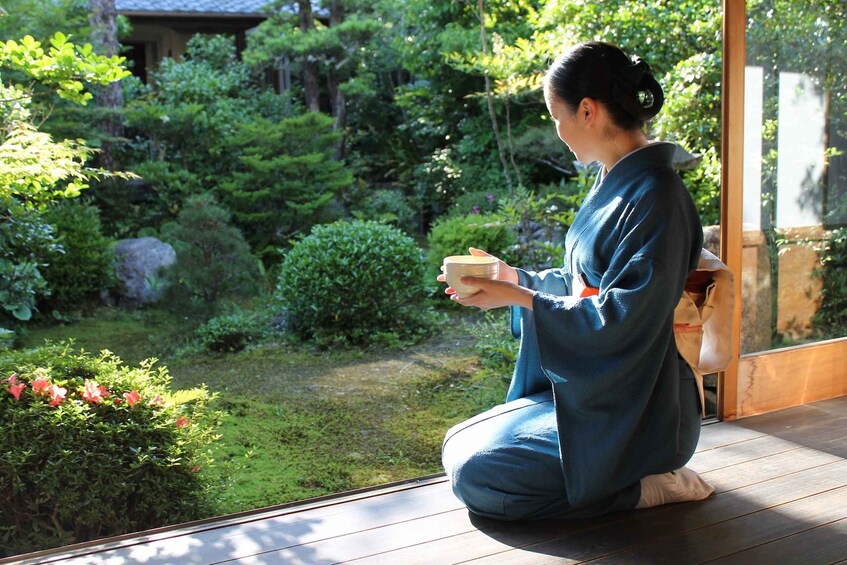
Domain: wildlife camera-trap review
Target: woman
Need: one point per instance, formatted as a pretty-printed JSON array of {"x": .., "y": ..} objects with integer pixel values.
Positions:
[{"x": 602, "y": 412}]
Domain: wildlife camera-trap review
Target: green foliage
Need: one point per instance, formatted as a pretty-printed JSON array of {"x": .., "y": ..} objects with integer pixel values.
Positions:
[
  {"x": 181, "y": 131},
  {"x": 213, "y": 262},
  {"x": 497, "y": 349},
  {"x": 102, "y": 449},
  {"x": 230, "y": 333},
  {"x": 85, "y": 265},
  {"x": 34, "y": 169},
  {"x": 285, "y": 177},
  {"x": 358, "y": 282},
  {"x": 26, "y": 241},
  {"x": 540, "y": 222},
  {"x": 830, "y": 320},
  {"x": 389, "y": 207},
  {"x": 453, "y": 235}
]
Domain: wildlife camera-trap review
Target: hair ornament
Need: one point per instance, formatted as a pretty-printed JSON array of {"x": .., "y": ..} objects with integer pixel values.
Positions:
[{"x": 628, "y": 87}]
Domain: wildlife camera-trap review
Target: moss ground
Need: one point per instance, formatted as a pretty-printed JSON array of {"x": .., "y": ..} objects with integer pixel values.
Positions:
[{"x": 313, "y": 422}]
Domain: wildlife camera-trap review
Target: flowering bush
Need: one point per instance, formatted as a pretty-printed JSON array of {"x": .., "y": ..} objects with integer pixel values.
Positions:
[{"x": 92, "y": 448}]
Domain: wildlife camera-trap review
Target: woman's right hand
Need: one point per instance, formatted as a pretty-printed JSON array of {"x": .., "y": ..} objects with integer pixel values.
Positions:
[{"x": 506, "y": 273}]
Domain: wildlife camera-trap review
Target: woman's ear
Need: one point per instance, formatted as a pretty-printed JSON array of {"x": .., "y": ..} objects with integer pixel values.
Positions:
[{"x": 587, "y": 109}]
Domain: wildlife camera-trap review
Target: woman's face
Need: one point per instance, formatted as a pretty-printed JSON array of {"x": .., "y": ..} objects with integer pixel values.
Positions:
[{"x": 567, "y": 124}]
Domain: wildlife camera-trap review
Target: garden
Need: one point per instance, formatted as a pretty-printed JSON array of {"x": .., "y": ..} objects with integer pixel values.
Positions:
[{"x": 280, "y": 334}]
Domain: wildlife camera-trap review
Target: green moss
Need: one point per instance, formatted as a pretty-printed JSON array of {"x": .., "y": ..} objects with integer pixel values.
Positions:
[{"x": 303, "y": 423}]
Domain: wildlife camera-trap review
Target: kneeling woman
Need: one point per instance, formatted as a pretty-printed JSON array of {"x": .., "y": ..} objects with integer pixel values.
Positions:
[{"x": 602, "y": 413}]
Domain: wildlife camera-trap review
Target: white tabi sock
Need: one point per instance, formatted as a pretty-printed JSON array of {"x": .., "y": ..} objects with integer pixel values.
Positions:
[{"x": 682, "y": 485}]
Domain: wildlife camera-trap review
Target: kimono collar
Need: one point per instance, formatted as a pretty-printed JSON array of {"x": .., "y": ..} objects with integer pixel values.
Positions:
[{"x": 655, "y": 153}]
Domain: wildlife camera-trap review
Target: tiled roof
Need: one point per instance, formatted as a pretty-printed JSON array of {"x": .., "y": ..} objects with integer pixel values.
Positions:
[{"x": 193, "y": 6}]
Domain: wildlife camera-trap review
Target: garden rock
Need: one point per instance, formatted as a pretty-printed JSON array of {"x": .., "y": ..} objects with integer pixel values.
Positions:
[{"x": 139, "y": 262}]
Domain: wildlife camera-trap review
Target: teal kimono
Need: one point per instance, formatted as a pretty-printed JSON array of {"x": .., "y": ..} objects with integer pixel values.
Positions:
[{"x": 598, "y": 383}]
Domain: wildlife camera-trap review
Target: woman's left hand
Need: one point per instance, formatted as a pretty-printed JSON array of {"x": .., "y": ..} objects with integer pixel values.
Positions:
[{"x": 494, "y": 294}]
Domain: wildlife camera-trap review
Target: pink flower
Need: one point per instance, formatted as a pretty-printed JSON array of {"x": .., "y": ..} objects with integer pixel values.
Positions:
[
  {"x": 57, "y": 395},
  {"x": 92, "y": 392},
  {"x": 41, "y": 385},
  {"x": 195, "y": 469},
  {"x": 15, "y": 387},
  {"x": 181, "y": 422},
  {"x": 157, "y": 401},
  {"x": 132, "y": 397}
]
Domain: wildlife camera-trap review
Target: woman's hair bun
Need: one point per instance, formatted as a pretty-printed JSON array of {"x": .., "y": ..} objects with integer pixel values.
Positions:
[{"x": 636, "y": 90}]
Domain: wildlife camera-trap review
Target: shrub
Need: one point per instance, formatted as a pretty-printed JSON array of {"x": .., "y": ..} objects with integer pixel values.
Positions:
[
  {"x": 26, "y": 239},
  {"x": 497, "y": 349},
  {"x": 390, "y": 207},
  {"x": 230, "y": 333},
  {"x": 213, "y": 261},
  {"x": 354, "y": 282},
  {"x": 830, "y": 320},
  {"x": 92, "y": 448},
  {"x": 86, "y": 264},
  {"x": 453, "y": 236}
]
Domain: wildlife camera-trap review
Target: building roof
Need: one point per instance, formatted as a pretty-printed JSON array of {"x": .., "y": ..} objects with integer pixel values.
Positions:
[{"x": 193, "y": 7}]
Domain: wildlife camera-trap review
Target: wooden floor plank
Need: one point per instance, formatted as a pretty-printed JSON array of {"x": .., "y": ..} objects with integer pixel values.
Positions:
[
  {"x": 819, "y": 425},
  {"x": 820, "y": 545},
  {"x": 647, "y": 526},
  {"x": 732, "y": 536},
  {"x": 288, "y": 529},
  {"x": 494, "y": 537},
  {"x": 723, "y": 433}
]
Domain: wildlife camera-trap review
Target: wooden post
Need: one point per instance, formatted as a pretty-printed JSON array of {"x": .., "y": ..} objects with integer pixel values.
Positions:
[{"x": 732, "y": 165}]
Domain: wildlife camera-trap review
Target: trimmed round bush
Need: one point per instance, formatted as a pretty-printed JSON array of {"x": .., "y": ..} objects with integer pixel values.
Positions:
[
  {"x": 453, "y": 235},
  {"x": 354, "y": 283},
  {"x": 230, "y": 333},
  {"x": 93, "y": 448}
]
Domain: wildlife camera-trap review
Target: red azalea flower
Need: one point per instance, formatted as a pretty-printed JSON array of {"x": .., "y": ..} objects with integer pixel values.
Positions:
[
  {"x": 41, "y": 385},
  {"x": 15, "y": 389},
  {"x": 132, "y": 397},
  {"x": 57, "y": 395},
  {"x": 181, "y": 422},
  {"x": 92, "y": 392},
  {"x": 157, "y": 401},
  {"x": 104, "y": 392}
]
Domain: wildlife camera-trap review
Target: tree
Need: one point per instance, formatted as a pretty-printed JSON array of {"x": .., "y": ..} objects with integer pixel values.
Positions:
[
  {"x": 333, "y": 51},
  {"x": 285, "y": 179},
  {"x": 104, "y": 36},
  {"x": 35, "y": 169}
]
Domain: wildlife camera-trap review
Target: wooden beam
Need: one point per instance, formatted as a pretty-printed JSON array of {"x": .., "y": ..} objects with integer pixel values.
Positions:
[
  {"x": 732, "y": 162},
  {"x": 791, "y": 376}
]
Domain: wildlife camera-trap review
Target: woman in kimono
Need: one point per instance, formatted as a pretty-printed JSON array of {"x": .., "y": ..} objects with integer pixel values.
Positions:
[{"x": 602, "y": 412}]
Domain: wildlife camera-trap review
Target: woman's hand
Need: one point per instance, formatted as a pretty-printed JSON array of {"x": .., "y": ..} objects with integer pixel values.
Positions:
[
  {"x": 506, "y": 273},
  {"x": 494, "y": 294},
  {"x": 504, "y": 291}
]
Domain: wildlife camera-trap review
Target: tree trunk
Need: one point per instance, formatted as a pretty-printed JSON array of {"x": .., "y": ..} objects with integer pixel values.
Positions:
[
  {"x": 336, "y": 96},
  {"x": 490, "y": 99},
  {"x": 310, "y": 68},
  {"x": 104, "y": 37}
]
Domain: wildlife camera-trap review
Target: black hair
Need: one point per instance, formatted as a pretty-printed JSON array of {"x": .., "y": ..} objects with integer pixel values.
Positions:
[{"x": 602, "y": 71}]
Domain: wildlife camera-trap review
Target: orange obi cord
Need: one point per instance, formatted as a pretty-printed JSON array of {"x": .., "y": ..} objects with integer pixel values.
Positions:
[
  {"x": 589, "y": 291},
  {"x": 687, "y": 328}
]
